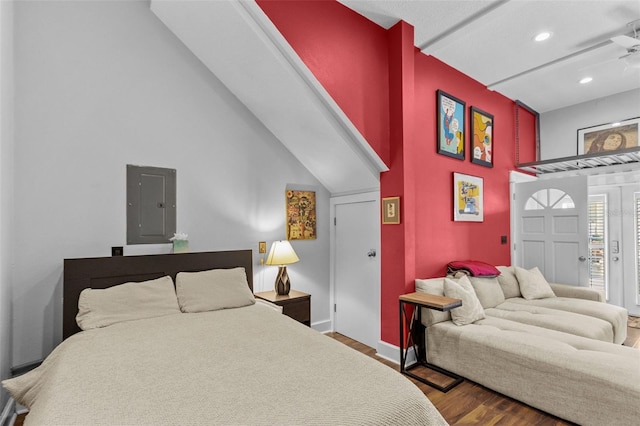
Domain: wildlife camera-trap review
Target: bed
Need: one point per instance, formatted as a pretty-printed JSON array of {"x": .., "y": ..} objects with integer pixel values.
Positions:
[{"x": 202, "y": 362}]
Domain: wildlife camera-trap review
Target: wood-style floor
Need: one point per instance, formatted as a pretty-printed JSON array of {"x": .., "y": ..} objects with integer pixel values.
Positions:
[{"x": 469, "y": 403}]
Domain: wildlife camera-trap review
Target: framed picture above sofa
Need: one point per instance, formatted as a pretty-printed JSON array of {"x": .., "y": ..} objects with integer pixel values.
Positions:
[
  {"x": 451, "y": 126},
  {"x": 481, "y": 126},
  {"x": 468, "y": 198}
]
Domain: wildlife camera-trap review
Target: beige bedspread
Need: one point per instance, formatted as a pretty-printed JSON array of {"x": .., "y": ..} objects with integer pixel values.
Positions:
[{"x": 246, "y": 366}]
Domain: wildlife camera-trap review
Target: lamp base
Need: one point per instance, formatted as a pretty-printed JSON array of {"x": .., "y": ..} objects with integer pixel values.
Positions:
[{"x": 283, "y": 285}]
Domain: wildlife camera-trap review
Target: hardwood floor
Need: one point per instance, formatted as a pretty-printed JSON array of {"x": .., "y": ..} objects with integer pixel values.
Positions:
[
  {"x": 469, "y": 403},
  {"x": 472, "y": 404}
]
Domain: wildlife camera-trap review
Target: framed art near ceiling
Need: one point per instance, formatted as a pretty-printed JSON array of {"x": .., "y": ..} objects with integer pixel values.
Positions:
[
  {"x": 607, "y": 138},
  {"x": 481, "y": 131},
  {"x": 301, "y": 215},
  {"x": 468, "y": 198},
  {"x": 451, "y": 129},
  {"x": 391, "y": 211}
]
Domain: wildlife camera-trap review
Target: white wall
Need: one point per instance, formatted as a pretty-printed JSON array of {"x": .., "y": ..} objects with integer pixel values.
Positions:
[
  {"x": 103, "y": 84},
  {"x": 559, "y": 128},
  {"x": 6, "y": 158}
]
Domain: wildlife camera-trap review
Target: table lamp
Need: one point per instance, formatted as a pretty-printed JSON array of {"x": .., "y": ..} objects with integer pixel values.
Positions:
[{"x": 282, "y": 254}]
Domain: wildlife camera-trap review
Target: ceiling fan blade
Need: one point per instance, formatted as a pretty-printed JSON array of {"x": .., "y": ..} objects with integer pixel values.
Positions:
[{"x": 626, "y": 41}]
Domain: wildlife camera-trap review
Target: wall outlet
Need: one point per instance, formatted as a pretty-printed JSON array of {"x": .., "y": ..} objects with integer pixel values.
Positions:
[
  {"x": 262, "y": 247},
  {"x": 116, "y": 251},
  {"x": 503, "y": 239}
]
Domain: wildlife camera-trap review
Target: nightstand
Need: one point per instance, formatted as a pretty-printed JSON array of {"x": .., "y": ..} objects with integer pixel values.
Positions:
[
  {"x": 416, "y": 336},
  {"x": 296, "y": 304}
]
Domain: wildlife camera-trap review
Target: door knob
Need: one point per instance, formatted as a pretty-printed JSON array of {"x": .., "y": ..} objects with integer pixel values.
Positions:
[
  {"x": 372, "y": 253},
  {"x": 615, "y": 258},
  {"x": 582, "y": 258}
]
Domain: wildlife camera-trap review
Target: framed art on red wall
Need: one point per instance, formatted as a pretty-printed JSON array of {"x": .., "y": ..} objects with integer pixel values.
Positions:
[
  {"x": 468, "y": 198},
  {"x": 451, "y": 128},
  {"x": 481, "y": 125}
]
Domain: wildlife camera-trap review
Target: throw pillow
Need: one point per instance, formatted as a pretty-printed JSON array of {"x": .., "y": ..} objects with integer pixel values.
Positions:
[
  {"x": 508, "y": 282},
  {"x": 471, "y": 309},
  {"x": 533, "y": 285},
  {"x": 432, "y": 286},
  {"x": 488, "y": 291}
]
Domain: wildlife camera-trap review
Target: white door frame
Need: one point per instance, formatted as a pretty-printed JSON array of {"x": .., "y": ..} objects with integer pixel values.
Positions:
[
  {"x": 333, "y": 202},
  {"x": 514, "y": 178}
]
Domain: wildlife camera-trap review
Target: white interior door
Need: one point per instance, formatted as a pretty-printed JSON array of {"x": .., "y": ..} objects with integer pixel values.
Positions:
[
  {"x": 357, "y": 271},
  {"x": 551, "y": 225}
]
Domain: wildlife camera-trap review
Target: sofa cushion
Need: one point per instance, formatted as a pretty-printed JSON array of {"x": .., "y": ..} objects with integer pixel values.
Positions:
[
  {"x": 471, "y": 309},
  {"x": 509, "y": 282},
  {"x": 432, "y": 286},
  {"x": 614, "y": 315},
  {"x": 550, "y": 370},
  {"x": 532, "y": 283},
  {"x": 554, "y": 319},
  {"x": 488, "y": 291}
]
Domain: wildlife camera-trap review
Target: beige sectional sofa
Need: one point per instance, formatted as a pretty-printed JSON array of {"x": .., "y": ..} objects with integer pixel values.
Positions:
[{"x": 561, "y": 353}]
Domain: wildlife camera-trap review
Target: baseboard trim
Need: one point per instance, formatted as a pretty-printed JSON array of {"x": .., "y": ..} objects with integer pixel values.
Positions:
[
  {"x": 8, "y": 413},
  {"x": 392, "y": 353},
  {"x": 322, "y": 326}
]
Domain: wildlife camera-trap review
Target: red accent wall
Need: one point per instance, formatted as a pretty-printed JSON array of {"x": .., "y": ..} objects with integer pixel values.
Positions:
[
  {"x": 352, "y": 57},
  {"x": 347, "y": 53}
]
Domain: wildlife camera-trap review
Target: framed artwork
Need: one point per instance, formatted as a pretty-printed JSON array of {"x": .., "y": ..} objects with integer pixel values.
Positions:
[
  {"x": 391, "y": 211},
  {"x": 610, "y": 137},
  {"x": 301, "y": 215},
  {"x": 451, "y": 130},
  {"x": 481, "y": 130},
  {"x": 468, "y": 198}
]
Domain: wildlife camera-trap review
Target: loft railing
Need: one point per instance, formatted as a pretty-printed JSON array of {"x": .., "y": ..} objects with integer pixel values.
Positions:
[{"x": 580, "y": 162}]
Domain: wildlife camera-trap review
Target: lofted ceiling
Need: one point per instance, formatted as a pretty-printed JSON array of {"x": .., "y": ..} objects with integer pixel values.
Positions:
[
  {"x": 492, "y": 42},
  {"x": 489, "y": 40}
]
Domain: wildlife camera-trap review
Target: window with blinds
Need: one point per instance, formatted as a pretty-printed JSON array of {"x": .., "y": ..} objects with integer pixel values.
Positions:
[{"x": 597, "y": 243}]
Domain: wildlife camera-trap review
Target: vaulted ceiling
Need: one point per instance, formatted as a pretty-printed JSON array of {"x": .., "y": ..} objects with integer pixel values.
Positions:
[{"x": 492, "y": 41}]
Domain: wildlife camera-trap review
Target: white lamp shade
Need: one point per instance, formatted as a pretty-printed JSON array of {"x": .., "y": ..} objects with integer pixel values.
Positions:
[{"x": 281, "y": 253}]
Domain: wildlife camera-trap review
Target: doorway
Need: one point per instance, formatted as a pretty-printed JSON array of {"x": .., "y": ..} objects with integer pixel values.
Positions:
[
  {"x": 356, "y": 267},
  {"x": 615, "y": 242}
]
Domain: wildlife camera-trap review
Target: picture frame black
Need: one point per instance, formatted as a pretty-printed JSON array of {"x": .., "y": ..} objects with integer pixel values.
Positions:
[
  {"x": 451, "y": 125},
  {"x": 481, "y": 125}
]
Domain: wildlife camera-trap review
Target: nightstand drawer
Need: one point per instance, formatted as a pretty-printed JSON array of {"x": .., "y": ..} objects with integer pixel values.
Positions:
[
  {"x": 298, "y": 310},
  {"x": 296, "y": 304}
]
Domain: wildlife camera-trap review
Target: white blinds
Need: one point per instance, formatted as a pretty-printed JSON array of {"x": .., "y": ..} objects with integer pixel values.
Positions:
[{"x": 597, "y": 243}]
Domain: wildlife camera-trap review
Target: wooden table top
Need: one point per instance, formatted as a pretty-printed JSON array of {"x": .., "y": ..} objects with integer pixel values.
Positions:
[{"x": 440, "y": 303}]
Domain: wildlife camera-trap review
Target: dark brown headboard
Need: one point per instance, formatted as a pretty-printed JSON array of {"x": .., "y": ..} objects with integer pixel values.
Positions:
[{"x": 104, "y": 272}]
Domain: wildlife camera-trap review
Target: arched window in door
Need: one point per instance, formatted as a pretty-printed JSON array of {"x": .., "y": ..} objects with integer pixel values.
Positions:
[{"x": 549, "y": 198}]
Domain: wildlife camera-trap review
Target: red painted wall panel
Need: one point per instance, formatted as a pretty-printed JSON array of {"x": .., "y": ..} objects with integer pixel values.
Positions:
[
  {"x": 388, "y": 90},
  {"x": 348, "y": 55}
]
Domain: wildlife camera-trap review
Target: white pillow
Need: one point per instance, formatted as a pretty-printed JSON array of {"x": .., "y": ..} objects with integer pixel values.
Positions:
[
  {"x": 471, "y": 309},
  {"x": 213, "y": 290},
  {"x": 532, "y": 283},
  {"x": 126, "y": 302},
  {"x": 432, "y": 286},
  {"x": 508, "y": 282},
  {"x": 488, "y": 291}
]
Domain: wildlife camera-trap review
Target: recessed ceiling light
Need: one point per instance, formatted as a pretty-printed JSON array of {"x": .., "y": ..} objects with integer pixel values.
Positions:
[
  {"x": 586, "y": 80},
  {"x": 542, "y": 36}
]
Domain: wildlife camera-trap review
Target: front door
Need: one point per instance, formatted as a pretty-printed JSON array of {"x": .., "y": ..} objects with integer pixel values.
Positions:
[{"x": 551, "y": 228}]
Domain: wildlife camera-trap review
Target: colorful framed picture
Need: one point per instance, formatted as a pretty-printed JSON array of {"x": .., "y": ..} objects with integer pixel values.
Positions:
[
  {"x": 301, "y": 215},
  {"x": 451, "y": 128},
  {"x": 391, "y": 211},
  {"x": 468, "y": 198},
  {"x": 607, "y": 138},
  {"x": 481, "y": 130}
]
